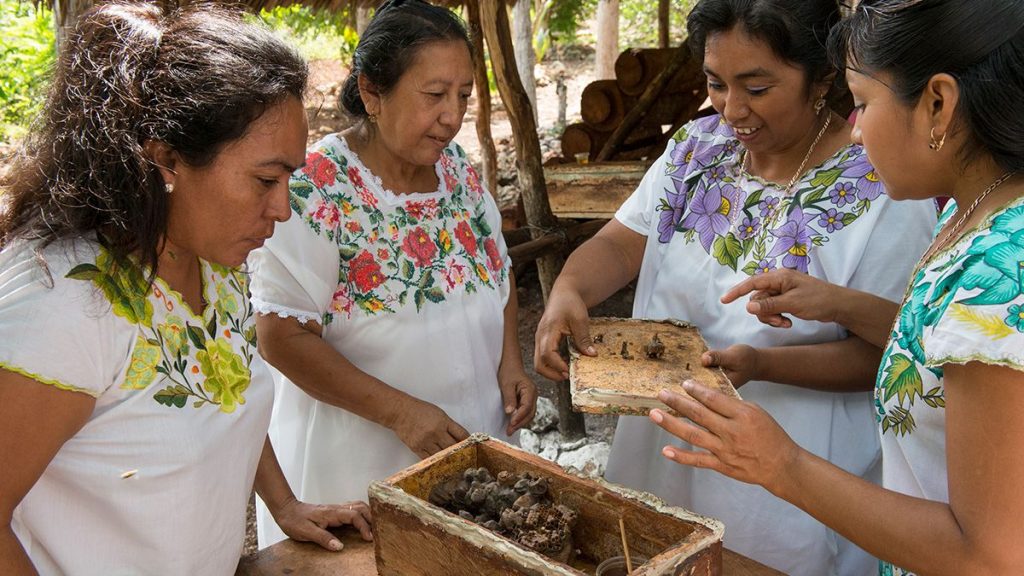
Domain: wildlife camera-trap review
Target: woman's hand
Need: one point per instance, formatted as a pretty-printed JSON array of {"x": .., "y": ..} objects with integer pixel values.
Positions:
[
  {"x": 565, "y": 315},
  {"x": 739, "y": 361},
  {"x": 786, "y": 291},
  {"x": 425, "y": 428},
  {"x": 309, "y": 522},
  {"x": 742, "y": 441},
  {"x": 519, "y": 397}
]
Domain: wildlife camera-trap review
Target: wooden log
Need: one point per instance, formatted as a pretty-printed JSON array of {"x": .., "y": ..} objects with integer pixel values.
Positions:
[
  {"x": 653, "y": 91},
  {"x": 602, "y": 105},
  {"x": 488, "y": 151},
  {"x": 582, "y": 139},
  {"x": 636, "y": 68}
]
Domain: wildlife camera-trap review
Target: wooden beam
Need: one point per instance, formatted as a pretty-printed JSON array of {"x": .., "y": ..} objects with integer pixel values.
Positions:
[
  {"x": 494, "y": 19},
  {"x": 664, "y": 18},
  {"x": 653, "y": 91},
  {"x": 483, "y": 99}
]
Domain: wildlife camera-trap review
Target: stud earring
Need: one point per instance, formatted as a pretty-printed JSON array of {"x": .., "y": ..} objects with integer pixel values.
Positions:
[
  {"x": 372, "y": 118},
  {"x": 936, "y": 144},
  {"x": 169, "y": 187}
]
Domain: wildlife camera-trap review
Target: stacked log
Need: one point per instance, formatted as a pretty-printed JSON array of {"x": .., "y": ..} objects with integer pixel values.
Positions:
[{"x": 605, "y": 103}]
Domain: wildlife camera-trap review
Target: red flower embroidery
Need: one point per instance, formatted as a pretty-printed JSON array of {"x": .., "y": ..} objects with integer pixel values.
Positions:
[
  {"x": 382, "y": 253},
  {"x": 454, "y": 274},
  {"x": 364, "y": 193},
  {"x": 354, "y": 226},
  {"x": 473, "y": 181},
  {"x": 341, "y": 301},
  {"x": 420, "y": 210},
  {"x": 494, "y": 261},
  {"x": 320, "y": 169},
  {"x": 418, "y": 246},
  {"x": 365, "y": 272},
  {"x": 465, "y": 235},
  {"x": 328, "y": 214}
]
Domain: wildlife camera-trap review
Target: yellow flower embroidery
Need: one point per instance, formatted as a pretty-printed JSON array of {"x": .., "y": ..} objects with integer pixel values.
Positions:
[
  {"x": 227, "y": 376},
  {"x": 482, "y": 273},
  {"x": 142, "y": 370},
  {"x": 173, "y": 333}
]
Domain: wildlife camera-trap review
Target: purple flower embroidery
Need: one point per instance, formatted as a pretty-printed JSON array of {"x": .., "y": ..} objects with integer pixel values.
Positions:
[
  {"x": 682, "y": 153},
  {"x": 716, "y": 174},
  {"x": 844, "y": 193},
  {"x": 708, "y": 214},
  {"x": 831, "y": 220},
  {"x": 749, "y": 227},
  {"x": 765, "y": 265},
  {"x": 794, "y": 242},
  {"x": 869, "y": 186},
  {"x": 768, "y": 206},
  {"x": 672, "y": 209}
]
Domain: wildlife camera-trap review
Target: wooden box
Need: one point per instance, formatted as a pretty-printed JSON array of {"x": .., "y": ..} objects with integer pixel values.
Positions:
[
  {"x": 591, "y": 190},
  {"x": 414, "y": 537},
  {"x": 625, "y": 376}
]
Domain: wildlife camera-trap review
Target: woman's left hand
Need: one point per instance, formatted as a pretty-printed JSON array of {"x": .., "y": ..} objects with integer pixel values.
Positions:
[
  {"x": 739, "y": 362},
  {"x": 309, "y": 522},
  {"x": 519, "y": 399},
  {"x": 741, "y": 439}
]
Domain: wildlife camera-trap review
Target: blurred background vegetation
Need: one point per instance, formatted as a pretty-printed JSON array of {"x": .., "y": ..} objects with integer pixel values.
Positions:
[{"x": 27, "y": 42}]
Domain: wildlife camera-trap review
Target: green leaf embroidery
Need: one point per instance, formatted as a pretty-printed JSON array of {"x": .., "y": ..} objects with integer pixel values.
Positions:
[
  {"x": 83, "y": 272},
  {"x": 727, "y": 250},
  {"x": 849, "y": 218},
  {"x": 211, "y": 326},
  {"x": 434, "y": 294},
  {"x": 347, "y": 252},
  {"x": 901, "y": 379},
  {"x": 175, "y": 396},
  {"x": 750, "y": 269},
  {"x": 812, "y": 197},
  {"x": 826, "y": 178},
  {"x": 419, "y": 298},
  {"x": 407, "y": 269},
  {"x": 899, "y": 419},
  {"x": 195, "y": 334},
  {"x": 301, "y": 189}
]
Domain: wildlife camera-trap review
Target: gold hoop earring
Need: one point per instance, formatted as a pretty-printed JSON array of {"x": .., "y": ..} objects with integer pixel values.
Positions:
[
  {"x": 819, "y": 105},
  {"x": 936, "y": 145}
]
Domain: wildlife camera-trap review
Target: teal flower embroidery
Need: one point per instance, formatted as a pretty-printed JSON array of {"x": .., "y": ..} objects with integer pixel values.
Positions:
[{"x": 1015, "y": 317}]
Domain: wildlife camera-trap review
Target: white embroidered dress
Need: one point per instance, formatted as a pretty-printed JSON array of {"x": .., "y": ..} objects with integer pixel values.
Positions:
[
  {"x": 158, "y": 480},
  {"x": 409, "y": 288},
  {"x": 708, "y": 228}
]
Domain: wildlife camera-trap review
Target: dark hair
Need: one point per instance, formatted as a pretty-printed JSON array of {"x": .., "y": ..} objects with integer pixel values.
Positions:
[
  {"x": 195, "y": 79},
  {"x": 978, "y": 42},
  {"x": 796, "y": 30},
  {"x": 390, "y": 42}
]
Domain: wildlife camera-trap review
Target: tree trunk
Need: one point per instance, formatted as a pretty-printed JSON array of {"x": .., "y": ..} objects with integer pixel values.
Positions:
[
  {"x": 362, "y": 15},
  {"x": 531, "y": 176},
  {"x": 663, "y": 23},
  {"x": 65, "y": 15},
  {"x": 607, "y": 39},
  {"x": 483, "y": 99},
  {"x": 522, "y": 33}
]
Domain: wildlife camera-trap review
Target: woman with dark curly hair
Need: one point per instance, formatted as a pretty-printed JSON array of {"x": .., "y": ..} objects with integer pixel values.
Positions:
[{"x": 133, "y": 405}]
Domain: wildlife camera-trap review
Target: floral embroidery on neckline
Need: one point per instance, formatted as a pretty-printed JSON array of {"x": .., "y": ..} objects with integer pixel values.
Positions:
[
  {"x": 416, "y": 251},
  {"x": 758, "y": 229},
  {"x": 205, "y": 360},
  {"x": 439, "y": 170}
]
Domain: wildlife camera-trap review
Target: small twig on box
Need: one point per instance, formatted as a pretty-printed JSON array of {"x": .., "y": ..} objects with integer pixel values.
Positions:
[{"x": 625, "y": 547}]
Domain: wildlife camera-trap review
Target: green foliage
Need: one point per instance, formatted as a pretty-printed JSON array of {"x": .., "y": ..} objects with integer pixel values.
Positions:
[
  {"x": 565, "y": 17},
  {"x": 638, "y": 22},
  {"x": 27, "y": 53},
  {"x": 317, "y": 34}
]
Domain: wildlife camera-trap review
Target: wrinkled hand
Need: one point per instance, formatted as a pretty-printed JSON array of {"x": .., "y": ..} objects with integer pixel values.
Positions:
[
  {"x": 519, "y": 398},
  {"x": 426, "y": 429},
  {"x": 565, "y": 315},
  {"x": 741, "y": 440},
  {"x": 739, "y": 361},
  {"x": 786, "y": 291},
  {"x": 309, "y": 522}
]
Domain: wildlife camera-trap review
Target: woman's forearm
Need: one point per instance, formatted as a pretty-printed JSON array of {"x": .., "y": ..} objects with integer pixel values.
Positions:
[
  {"x": 271, "y": 484},
  {"x": 847, "y": 365},
  {"x": 511, "y": 353},
  {"x": 866, "y": 315},
  {"x": 313, "y": 365},
  {"x": 13, "y": 559},
  {"x": 604, "y": 264}
]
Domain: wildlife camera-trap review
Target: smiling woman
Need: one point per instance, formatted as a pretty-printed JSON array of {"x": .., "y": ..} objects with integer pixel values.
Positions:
[
  {"x": 773, "y": 181},
  {"x": 387, "y": 302}
]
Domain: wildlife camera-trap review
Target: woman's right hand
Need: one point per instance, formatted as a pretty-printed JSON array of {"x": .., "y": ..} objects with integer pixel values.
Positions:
[
  {"x": 786, "y": 291},
  {"x": 426, "y": 429},
  {"x": 565, "y": 315}
]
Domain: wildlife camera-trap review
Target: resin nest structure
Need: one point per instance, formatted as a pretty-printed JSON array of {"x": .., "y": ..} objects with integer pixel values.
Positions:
[{"x": 517, "y": 506}]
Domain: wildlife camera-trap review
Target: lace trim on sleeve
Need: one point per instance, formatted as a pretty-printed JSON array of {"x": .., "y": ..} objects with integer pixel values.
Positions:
[{"x": 267, "y": 308}]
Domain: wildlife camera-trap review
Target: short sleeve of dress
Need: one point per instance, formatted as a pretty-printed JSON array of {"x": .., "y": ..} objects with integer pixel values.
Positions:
[
  {"x": 295, "y": 274},
  {"x": 982, "y": 302},
  {"x": 58, "y": 330}
]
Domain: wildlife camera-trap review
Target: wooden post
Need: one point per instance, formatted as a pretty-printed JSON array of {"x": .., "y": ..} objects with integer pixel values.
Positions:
[
  {"x": 488, "y": 152},
  {"x": 607, "y": 39},
  {"x": 664, "y": 19},
  {"x": 531, "y": 176},
  {"x": 65, "y": 15},
  {"x": 362, "y": 16}
]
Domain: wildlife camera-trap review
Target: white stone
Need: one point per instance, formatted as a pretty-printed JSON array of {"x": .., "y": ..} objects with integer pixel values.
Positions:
[
  {"x": 546, "y": 416},
  {"x": 549, "y": 443},
  {"x": 590, "y": 459},
  {"x": 529, "y": 441}
]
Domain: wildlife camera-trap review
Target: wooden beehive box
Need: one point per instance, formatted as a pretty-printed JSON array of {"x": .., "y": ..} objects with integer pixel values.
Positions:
[
  {"x": 414, "y": 537},
  {"x": 623, "y": 379},
  {"x": 591, "y": 190}
]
